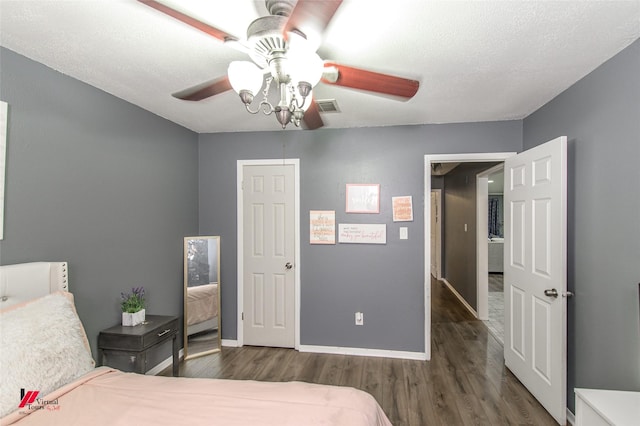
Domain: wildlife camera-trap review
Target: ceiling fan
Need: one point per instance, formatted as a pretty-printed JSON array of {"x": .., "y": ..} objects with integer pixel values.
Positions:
[{"x": 283, "y": 47}]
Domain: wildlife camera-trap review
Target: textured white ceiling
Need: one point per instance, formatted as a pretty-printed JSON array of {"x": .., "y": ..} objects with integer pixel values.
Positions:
[{"x": 476, "y": 60}]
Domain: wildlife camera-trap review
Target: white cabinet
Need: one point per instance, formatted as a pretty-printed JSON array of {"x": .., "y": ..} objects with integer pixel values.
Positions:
[
  {"x": 596, "y": 407},
  {"x": 496, "y": 255}
]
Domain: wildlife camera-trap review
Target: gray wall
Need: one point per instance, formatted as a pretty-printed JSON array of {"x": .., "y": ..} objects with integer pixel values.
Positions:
[
  {"x": 385, "y": 282},
  {"x": 460, "y": 246},
  {"x": 100, "y": 183},
  {"x": 600, "y": 115}
]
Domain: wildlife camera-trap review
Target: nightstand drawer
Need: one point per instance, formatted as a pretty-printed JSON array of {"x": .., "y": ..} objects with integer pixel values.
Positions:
[{"x": 160, "y": 333}]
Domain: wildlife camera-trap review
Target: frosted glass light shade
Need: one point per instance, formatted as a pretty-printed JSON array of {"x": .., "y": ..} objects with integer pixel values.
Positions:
[
  {"x": 245, "y": 75},
  {"x": 306, "y": 66}
]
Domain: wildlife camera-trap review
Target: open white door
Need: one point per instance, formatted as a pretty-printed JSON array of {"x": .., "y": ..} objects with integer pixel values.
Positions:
[{"x": 535, "y": 274}]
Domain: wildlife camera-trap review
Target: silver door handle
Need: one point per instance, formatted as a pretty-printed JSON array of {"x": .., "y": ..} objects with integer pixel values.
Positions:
[
  {"x": 554, "y": 293},
  {"x": 288, "y": 265}
]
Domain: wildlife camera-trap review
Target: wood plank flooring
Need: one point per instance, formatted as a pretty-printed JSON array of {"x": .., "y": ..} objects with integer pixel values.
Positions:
[
  {"x": 465, "y": 383},
  {"x": 495, "y": 323}
]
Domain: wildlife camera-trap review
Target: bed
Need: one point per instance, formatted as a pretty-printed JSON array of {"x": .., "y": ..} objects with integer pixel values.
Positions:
[
  {"x": 202, "y": 311},
  {"x": 48, "y": 376}
]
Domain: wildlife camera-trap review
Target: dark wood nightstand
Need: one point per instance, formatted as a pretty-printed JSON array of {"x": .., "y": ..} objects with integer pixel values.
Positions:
[{"x": 125, "y": 348}]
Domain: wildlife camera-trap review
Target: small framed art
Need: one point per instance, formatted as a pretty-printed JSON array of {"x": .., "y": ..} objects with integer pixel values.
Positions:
[{"x": 363, "y": 198}]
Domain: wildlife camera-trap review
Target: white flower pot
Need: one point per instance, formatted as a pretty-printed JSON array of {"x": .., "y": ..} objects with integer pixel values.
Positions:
[{"x": 131, "y": 319}]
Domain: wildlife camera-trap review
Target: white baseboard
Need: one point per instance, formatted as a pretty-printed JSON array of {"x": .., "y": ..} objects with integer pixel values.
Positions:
[
  {"x": 459, "y": 296},
  {"x": 571, "y": 418},
  {"x": 380, "y": 353},
  {"x": 164, "y": 364},
  {"x": 229, "y": 343}
]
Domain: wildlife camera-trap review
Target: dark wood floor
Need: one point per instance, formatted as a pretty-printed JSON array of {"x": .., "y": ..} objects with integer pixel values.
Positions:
[{"x": 465, "y": 383}]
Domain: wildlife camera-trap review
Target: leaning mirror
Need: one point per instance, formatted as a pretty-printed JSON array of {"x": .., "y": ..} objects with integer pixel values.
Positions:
[{"x": 201, "y": 296}]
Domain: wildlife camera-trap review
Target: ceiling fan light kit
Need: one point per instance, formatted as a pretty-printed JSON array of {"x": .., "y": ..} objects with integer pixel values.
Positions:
[
  {"x": 292, "y": 64},
  {"x": 283, "y": 55}
]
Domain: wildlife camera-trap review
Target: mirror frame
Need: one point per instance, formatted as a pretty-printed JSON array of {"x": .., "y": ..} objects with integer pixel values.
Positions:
[{"x": 185, "y": 283}]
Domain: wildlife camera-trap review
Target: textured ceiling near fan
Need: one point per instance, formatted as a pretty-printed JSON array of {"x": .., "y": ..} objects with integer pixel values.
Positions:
[{"x": 477, "y": 61}]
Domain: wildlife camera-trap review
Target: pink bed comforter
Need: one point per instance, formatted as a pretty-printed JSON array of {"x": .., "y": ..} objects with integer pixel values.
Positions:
[{"x": 111, "y": 397}]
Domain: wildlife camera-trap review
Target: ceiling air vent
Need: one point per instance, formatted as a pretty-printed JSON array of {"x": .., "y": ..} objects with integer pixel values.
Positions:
[{"x": 328, "y": 105}]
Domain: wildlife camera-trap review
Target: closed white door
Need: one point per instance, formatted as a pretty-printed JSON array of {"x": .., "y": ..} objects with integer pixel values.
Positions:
[
  {"x": 535, "y": 275},
  {"x": 269, "y": 254}
]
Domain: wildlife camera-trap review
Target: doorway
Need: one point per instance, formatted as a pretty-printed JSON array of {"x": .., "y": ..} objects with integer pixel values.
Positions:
[
  {"x": 534, "y": 267},
  {"x": 443, "y": 159}
]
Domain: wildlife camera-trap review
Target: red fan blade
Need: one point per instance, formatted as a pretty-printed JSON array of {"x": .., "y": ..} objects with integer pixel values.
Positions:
[
  {"x": 206, "y": 28},
  {"x": 311, "y": 119},
  {"x": 205, "y": 90},
  {"x": 311, "y": 15},
  {"x": 370, "y": 81}
]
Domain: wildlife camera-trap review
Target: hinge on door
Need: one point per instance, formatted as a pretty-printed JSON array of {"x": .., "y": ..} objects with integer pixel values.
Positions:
[{"x": 243, "y": 316}]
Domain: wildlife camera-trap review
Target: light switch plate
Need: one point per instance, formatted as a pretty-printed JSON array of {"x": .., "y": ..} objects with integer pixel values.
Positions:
[{"x": 404, "y": 233}]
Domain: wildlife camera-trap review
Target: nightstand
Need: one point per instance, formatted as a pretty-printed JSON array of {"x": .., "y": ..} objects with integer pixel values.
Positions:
[
  {"x": 126, "y": 348},
  {"x": 607, "y": 407}
]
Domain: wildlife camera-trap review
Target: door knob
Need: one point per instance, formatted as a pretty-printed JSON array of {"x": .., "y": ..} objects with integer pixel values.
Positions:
[
  {"x": 288, "y": 265},
  {"x": 554, "y": 293}
]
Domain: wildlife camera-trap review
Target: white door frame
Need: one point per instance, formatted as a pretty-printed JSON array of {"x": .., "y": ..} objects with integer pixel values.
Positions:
[
  {"x": 240, "y": 238},
  {"x": 442, "y": 158},
  {"x": 482, "y": 249}
]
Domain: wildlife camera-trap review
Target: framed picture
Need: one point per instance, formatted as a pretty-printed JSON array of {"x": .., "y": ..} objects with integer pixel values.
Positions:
[
  {"x": 322, "y": 227},
  {"x": 402, "y": 209},
  {"x": 363, "y": 198},
  {"x": 362, "y": 233}
]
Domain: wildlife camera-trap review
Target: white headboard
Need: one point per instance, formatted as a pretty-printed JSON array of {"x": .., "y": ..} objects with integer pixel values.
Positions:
[{"x": 26, "y": 281}]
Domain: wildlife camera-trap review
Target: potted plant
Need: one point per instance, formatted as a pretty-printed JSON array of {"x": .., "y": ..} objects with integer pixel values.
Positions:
[{"x": 132, "y": 305}]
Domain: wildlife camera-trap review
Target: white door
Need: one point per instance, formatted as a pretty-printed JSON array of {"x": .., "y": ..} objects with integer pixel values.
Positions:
[
  {"x": 435, "y": 234},
  {"x": 535, "y": 272},
  {"x": 269, "y": 255}
]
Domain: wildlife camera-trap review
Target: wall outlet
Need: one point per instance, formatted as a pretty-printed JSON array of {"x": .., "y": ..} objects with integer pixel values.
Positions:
[{"x": 359, "y": 318}]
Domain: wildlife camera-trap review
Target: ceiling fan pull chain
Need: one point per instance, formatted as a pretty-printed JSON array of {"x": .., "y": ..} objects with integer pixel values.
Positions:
[{"x": 293, "y": 103}]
